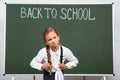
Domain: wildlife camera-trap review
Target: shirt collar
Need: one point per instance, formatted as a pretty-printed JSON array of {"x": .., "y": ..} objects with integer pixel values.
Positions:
[{"x": 57, "y": 52}]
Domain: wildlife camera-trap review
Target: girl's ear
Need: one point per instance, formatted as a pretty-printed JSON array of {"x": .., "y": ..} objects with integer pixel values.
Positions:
[
  {"x": 46, "y": 43},
  {"x": 58, "y": 37}
]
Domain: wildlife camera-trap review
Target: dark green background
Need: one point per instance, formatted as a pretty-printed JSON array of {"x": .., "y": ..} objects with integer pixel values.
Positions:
[{"x": 90, "y": 41}]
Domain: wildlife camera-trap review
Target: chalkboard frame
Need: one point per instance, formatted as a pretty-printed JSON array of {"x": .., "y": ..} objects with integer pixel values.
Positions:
[{"x": 62, "y": 34}]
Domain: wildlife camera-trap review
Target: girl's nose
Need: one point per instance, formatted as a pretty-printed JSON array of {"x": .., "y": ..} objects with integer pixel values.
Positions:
[{"x": 53, "y": 40}]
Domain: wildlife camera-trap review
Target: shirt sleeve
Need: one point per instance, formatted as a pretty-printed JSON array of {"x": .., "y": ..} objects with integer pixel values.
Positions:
[
  {"x": 72, "y": 61},
  {"x": 38, "y": 61}
]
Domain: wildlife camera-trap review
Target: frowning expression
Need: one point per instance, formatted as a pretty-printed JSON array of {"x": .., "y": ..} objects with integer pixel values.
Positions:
[{"x": 52, "y": 39}]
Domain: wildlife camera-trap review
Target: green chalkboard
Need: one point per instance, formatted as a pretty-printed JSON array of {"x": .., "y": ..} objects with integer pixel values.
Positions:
[{"x": 84, "y": 28}]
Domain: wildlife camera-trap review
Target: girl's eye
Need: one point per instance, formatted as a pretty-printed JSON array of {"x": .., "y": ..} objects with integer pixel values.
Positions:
[
  {"x": 54, "y": 37},
  {"x": 49, "y": 39}
]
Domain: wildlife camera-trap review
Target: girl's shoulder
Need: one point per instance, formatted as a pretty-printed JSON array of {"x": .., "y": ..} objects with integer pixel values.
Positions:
[
  {"x": 65, "y": 48},
  {"x": 42, "y": 50}
]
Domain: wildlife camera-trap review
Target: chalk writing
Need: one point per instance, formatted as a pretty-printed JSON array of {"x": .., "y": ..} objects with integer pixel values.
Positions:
[{"x": 52, "y": 13}]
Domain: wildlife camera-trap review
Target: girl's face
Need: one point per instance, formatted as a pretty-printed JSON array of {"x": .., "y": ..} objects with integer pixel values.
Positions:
[{"x": 52, "y": 39}]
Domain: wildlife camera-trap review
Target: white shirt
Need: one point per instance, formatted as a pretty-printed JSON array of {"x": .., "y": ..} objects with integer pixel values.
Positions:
[{"x": 41, "y": 59}]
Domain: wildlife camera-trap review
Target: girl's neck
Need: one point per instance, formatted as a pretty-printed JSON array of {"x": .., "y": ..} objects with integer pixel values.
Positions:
[{"x": 54, "y": 49}]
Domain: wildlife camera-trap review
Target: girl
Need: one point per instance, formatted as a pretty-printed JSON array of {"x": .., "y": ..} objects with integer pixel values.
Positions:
[{"x": 52, "y": 58}]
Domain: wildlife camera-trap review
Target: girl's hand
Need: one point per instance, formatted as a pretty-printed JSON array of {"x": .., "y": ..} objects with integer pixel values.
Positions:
[
  {"x": 62, "y": 66},
  {"x": 46, "y": 66}
]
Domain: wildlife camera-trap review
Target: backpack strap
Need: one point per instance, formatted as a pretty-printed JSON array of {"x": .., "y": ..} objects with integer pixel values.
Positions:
[{"x": 61, "y": 55}]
